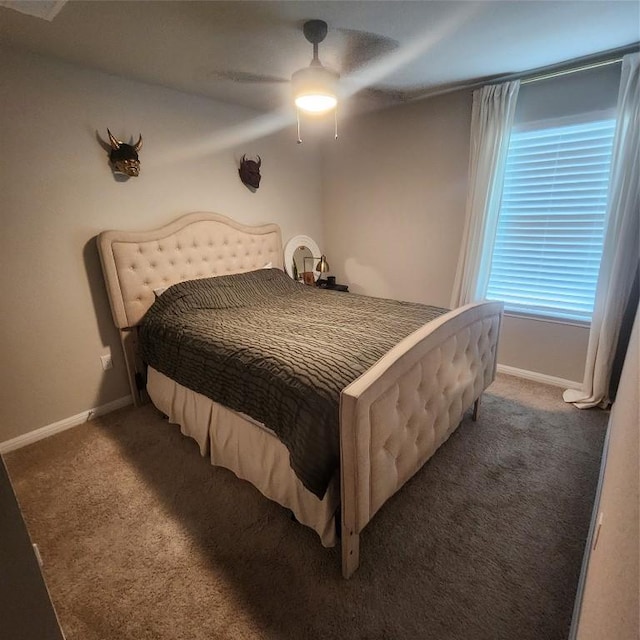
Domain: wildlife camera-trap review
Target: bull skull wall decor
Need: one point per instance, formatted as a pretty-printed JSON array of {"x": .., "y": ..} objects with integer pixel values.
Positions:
[
  {"x": 124, "y": 157},
  {"x": 250, "y": 172}
]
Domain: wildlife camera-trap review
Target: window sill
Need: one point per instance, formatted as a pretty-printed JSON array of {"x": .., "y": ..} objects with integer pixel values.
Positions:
[{"x": 551, "y": 319}]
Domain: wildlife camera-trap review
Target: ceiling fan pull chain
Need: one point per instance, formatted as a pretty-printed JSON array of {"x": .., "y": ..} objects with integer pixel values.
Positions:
[
  {"x": 298, "y": 121},
  {"x": 335, "y": 122}
]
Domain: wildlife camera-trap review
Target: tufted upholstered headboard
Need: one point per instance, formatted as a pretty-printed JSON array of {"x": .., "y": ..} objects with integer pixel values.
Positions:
[{"x": 197, "y": 245}]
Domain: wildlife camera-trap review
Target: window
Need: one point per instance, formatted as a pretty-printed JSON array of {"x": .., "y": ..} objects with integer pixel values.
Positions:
[{"x": 551, "y": 223}]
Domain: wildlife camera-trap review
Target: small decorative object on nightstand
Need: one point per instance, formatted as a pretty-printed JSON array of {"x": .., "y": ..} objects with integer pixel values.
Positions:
[
  {"x": 321, "y": 267},
  {"x": 295, "y": 251}
]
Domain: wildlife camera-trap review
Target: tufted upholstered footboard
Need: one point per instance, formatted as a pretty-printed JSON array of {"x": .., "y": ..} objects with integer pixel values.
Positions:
[{"x": 395, "y": 416}]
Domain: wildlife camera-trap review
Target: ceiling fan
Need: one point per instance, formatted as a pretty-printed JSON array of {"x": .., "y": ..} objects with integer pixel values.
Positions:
[{"x": 316, "y": 87}]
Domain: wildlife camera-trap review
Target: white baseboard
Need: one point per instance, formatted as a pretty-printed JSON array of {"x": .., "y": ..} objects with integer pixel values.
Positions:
[
  {"x": 538, "y": 377},
  {"x": 79, "y": 418},
  {"x": 61, "y": 425}
]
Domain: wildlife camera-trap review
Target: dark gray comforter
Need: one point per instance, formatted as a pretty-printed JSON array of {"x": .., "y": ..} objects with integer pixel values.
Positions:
[{"x": 278, "y": 351}]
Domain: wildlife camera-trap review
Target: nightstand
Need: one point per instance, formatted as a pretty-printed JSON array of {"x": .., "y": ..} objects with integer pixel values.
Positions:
[{"x": 324, "y": 284}]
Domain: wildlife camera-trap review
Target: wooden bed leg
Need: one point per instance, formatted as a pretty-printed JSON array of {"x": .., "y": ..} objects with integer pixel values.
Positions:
[
  {"x": 350, "y": 552},
  {"x": 476, "y": 410},
  {"x": 129, "y": 341}
]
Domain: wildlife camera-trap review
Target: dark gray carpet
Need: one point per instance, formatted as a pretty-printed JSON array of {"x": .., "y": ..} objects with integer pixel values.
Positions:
[{"x": 142, "y": 538}]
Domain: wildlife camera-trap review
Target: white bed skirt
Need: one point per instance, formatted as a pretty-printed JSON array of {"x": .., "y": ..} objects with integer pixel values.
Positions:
[{"x": 223, "y": 433}]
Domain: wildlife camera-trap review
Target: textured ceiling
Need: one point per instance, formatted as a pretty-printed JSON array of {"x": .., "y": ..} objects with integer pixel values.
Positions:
[{"x": 404, "y": 50}]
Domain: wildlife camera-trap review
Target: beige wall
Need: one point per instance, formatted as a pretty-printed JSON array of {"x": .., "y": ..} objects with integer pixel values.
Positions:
[
  {"x": 386, "y": 202},
  {"x": 610, "y": 606},
  {"x": 395, "y": 187},
  {"x": 58, "y": 193}
]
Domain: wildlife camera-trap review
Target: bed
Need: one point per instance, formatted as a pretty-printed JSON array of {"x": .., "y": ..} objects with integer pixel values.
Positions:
[{"x": 390, "y": 419}]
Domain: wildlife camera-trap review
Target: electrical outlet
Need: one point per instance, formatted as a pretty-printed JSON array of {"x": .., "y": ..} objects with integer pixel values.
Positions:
[{"x": 106, "y": 361}]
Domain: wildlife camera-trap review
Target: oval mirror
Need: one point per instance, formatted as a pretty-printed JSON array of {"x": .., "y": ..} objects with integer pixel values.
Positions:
[{"x": 295, "y": 252}]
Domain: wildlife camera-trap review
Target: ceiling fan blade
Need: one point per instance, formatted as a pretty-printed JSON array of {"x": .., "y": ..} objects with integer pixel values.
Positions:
[
  {"x": 363, "y": 47},
  {"x": 388, "y": 95},
  {"x": 367, "y": 99},
  {"x": 352, "y": 86},
  {"x": 246, "y": 77}
]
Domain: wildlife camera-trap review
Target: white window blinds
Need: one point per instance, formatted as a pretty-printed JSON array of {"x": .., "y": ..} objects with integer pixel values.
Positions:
[{"x": 551, "y": 224}]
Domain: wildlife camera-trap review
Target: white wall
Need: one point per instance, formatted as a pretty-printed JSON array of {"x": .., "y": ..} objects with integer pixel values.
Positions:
[
  {"x": 58, "y": 192},
  {"x": 395, "y": 188}
]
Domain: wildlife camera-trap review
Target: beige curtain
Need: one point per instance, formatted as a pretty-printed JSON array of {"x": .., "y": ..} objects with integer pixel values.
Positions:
[
  {"x": 621, "y": 250},
  {"x": 491, "y": 120}
]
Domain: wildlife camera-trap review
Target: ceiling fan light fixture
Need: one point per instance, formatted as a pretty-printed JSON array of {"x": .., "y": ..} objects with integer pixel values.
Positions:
[
  {"x": 315, "y": 89},
  {"x": 316, "y": 103}
]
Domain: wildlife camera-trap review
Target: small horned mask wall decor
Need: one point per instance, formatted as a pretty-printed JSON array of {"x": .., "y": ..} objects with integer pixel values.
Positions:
[
  {"x": 124, "y": 157},
  {"x": 250, "y": 172}
]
